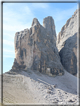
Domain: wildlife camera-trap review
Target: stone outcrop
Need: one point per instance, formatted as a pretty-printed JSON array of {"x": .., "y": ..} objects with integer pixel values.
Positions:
[
  {"x": 35, "y": 48},
  {"x": 67, "y": 44}
]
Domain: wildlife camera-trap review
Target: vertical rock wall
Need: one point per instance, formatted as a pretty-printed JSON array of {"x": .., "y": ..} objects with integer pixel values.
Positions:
[
  {"x": 67, "y": 44},
  {"x": 35, "y": 48}
]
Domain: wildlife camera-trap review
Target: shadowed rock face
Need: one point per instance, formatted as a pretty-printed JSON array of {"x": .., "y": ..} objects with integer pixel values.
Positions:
[
  {"x": 67, "y": 44},
  {"x": 68, "y": 55},
  {"x": 36, "y": 48}
]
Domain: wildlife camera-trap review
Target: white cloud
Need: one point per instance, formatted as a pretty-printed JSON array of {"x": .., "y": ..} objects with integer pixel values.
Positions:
[
  {"x": 63, "y": 14},
  {"x": 14, "y": 28},
  {"x": 13, "y": 21},
  {"x": 9, "y": 43},
  {"x": 8, "y": 56},
  {"x": 9, "y": 35},
  {"x": 16, "y": 20},
  {"x": 27, "y": 10},
  {"x": 8, "y": 51}
]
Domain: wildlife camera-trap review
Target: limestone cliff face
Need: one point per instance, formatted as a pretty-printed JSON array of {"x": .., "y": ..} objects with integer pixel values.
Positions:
[
  {"x": 68, "y": 30},
  {"x": 35, "y": 48},
  {"x": 67, "y": 44}
]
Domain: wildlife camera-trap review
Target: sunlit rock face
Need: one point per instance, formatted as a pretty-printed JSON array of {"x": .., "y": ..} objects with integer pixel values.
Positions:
[
  {"x": 67, "y": 44},
  {"x": 35, "y": 48}
]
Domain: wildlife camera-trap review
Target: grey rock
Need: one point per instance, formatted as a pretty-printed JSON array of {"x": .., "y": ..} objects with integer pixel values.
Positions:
[
  {"x": 48, "y": 23},
  {"x": 35, "y": 22},
  {"x": 67, "y": 44},
  {"x": 68, "y": 30},
  {"x": 36, "y": 48},
  {"x": 68, "y": 55}
]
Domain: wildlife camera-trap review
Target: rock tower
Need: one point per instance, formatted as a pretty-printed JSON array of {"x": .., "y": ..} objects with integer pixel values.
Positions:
[{"x": 35, "y": 48}]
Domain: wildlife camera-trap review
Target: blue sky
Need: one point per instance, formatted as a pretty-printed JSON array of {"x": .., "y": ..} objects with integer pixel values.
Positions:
[{"x": 19, "y": 16}]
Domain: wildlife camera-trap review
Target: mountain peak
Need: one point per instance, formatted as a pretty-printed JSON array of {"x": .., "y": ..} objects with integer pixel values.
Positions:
[{"x": 35, "y": 22}]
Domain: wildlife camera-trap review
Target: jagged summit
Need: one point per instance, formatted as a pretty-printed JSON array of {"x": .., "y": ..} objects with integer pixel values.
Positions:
[
  {"x": 48, "y": 23},
  {"x": 35, "y": 22}
]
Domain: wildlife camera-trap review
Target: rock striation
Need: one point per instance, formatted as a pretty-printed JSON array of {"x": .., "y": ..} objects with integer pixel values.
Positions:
[
  {"x": 67, "y": 44},
  {"x": 35, "y": 48}
]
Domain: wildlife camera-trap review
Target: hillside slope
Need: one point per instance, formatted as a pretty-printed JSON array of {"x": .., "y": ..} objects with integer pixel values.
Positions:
[{"x": 34, "y": 87}]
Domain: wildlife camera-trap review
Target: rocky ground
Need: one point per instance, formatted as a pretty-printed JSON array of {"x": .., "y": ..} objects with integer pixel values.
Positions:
[{"x": 36, "y": 88}]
